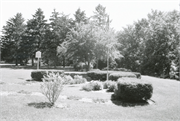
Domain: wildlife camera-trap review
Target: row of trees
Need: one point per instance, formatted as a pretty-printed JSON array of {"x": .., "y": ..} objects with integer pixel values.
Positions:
[
  {"x": 149, "y": 46},
  {"x": 62, "y": 39}
]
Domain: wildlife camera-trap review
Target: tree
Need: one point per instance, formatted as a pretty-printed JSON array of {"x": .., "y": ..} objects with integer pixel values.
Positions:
[
  {"x": 80, "y": 16},
  {"x": 81, "y": 43},
  {"x": 12, "y": 37},
  {"x": 59, "y": 26},
  {"x": 35, "y": 32}
]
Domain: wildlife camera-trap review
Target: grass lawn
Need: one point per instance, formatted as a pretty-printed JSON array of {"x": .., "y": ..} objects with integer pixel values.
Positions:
[{"x": 23, "y": 102}]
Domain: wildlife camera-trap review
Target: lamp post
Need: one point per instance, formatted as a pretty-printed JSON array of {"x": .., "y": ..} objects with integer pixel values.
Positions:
[{"x": 179, "y": 61}]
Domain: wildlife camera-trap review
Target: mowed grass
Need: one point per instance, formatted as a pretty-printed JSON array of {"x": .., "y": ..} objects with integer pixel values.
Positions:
[{"x": 24, "y": 107}]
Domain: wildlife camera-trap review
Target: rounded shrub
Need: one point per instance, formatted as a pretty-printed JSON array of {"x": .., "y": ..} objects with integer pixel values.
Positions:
[
  {"x": 38, "y": 75},
  {"x": 110, "y": 85},
  {"x": 92, "y": 86},
  {"x": 133, "y": 90}
]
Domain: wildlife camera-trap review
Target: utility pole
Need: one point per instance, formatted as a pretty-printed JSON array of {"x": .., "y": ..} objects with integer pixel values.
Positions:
[{"x": 108, "y": 51}]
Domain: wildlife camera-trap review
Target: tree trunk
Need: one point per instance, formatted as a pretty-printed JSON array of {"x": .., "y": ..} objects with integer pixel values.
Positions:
[
  {"x": 32, "y": 61},
  {"x": 64, "y": 62},
  {"x": 16, "y": 61}
]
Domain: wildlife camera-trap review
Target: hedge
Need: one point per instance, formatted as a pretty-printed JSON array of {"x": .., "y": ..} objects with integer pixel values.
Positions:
[
  {"x": 133, "y": 90},
  {"x": 97, "y": 75},
  {"x": 38, "y": 75},
  {"x": 116, "y": 75}
]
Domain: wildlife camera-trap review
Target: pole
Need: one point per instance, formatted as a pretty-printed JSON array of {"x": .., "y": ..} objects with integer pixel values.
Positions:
[
  {"x": 108, "y": 65},
  {"x": 38, "y": 64}
]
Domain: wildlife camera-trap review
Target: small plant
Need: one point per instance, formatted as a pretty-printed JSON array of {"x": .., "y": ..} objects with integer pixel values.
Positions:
[
  {"x": 79, "y": 79},
  {"x": 67, "y": 79},
  {"x": 52, "y": 86},
  {"x": 110, "y": 86},
  {"x": 94, "y": 85}
]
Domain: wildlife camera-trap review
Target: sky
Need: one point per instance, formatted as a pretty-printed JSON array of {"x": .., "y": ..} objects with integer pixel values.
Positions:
[{"x": 122, "y": 12}]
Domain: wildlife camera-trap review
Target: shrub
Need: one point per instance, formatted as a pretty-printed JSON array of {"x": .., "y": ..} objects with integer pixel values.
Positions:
[
  {"x": 97, "y": 75},
  {"x": 52, "y": 87},
  {"x": 116, "y": 75},
  {"x": 67, "y": 79},
  {"x": 110, "y": 85},
  {"x": 78, "y": 80},
  {"x": 133, "y": 90},
  {"x": 38, "y": 75},
  {"x": 122, "y": 69},
  {"x": 94, "y": 85}
]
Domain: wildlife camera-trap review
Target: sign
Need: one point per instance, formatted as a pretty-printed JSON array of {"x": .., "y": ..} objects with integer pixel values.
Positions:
[{"x": 38, "y": 54}]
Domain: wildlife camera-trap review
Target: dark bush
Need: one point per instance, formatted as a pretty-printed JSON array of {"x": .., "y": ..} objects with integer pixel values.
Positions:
[
  {"x": 122, "y": 69},
  {"x": 97, "y": 75},
  {"x": 116, "y": 75},
  {"x": 38, "y": 75},
  {"x": 133, "y": 90}
]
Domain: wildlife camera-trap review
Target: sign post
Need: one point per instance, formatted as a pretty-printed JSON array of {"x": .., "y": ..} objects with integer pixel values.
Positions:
[{"x": 38, "y": 55}]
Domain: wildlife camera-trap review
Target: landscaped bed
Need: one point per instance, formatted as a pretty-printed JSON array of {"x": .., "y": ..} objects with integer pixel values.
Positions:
[{"x": 22, "y": 100}]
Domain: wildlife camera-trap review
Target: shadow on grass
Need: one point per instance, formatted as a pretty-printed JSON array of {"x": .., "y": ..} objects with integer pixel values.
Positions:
[
  {"x": 120, "y": 102},
  {"x": 40, "y": 105}
]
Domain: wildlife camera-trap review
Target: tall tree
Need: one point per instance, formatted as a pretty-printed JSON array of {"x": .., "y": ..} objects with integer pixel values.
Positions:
[
  {"x": 36, "y": 28},
  {"x": 80, "y": 16},
  {"x": 12, "y": 37}
]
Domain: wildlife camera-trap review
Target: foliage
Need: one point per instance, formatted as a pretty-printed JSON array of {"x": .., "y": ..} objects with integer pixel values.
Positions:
[
  {"x": 78, "y": 80},
  {"x": 52, "y": 87},
  {"x": 110, "y": 85},
  {"x": 116, "y": 75},
  {"x": 38, "y": 75},
  {"x": 12, "y": 39},
  {"x": 97, "y": 75},
  {"x": 92, "y": 86},
  {"x": 67, "y": 79},
  {"x": 133, "y": 90}
]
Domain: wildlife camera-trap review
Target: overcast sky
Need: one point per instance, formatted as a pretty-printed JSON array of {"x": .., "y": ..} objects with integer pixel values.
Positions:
[{"x": 122, "y": 12}]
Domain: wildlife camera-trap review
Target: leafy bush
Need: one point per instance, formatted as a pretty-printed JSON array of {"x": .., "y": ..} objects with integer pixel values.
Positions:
[
  {"x": 52, "y": 87},
  {"x": 122, "y": 69},
  {"x": 133, "y": 90},
  {"x": 38, "y": 75},
  {"x": 78, "y": 80},
  {"x": 94, "y": 85},
  {"x": 110, "y": 85},
  {"x": 67, "y": 79},
  {"x": 116, "y": 75},
  {"x": 97, "y": 75}
]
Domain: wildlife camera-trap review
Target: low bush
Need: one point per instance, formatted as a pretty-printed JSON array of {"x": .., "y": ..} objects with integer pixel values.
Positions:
[
  {"x": 110, "y": 85},
  {"x": 116, "y": 75},
  {"x": 38, "y": 75},
  {"x": 133, "y": 90},
  {"x": 52, "y": 86},
  {"x": 122, "y": 69},
  {"x": 78, "y": 80},
  {"x": 92, "y": 86},
  {"x": 67, "y": 79},
  {"x": 97, "y": 75}
]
